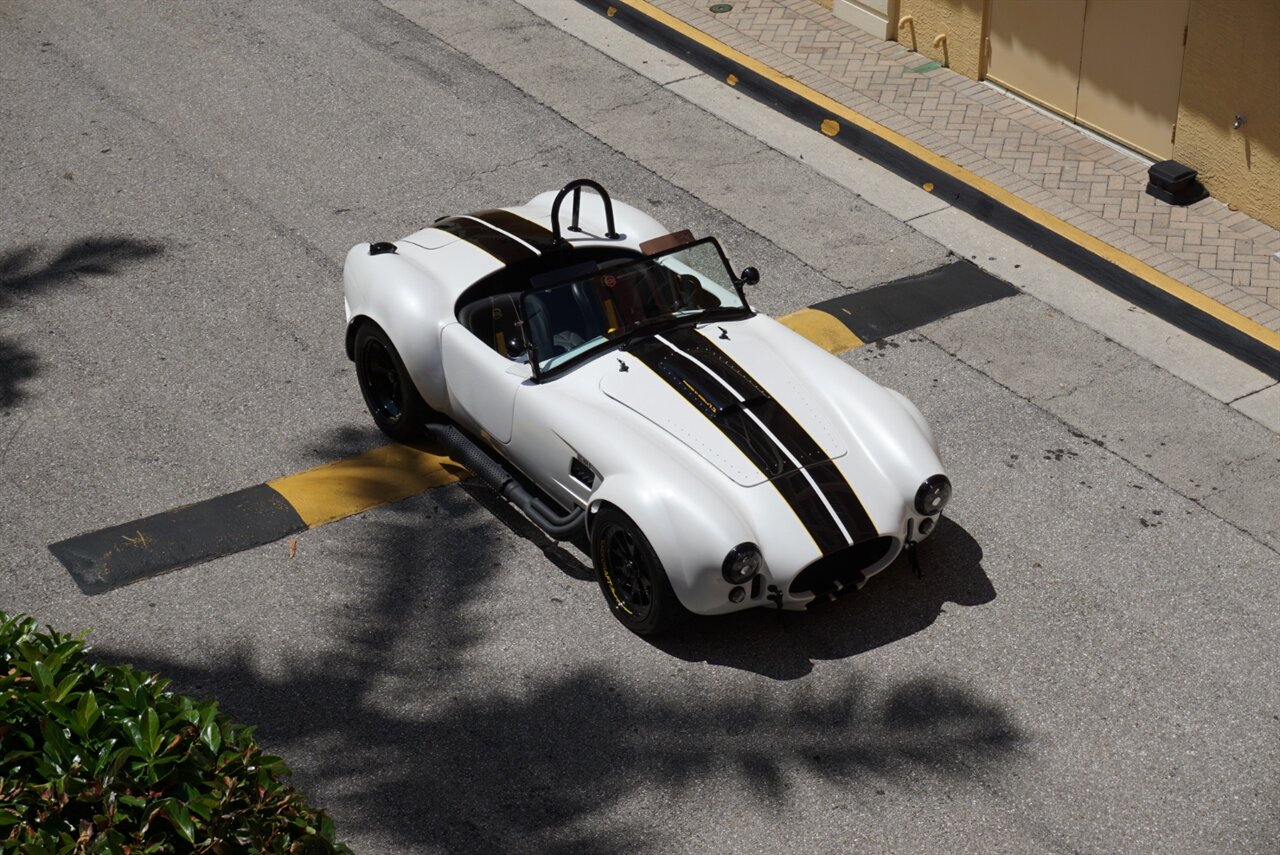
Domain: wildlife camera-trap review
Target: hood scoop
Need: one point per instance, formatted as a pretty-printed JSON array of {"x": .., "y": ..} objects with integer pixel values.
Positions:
[{"x": 693, "y": 391}]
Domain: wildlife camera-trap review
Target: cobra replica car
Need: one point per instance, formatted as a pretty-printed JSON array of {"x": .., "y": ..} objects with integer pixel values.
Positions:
[{"x": 610, "y": 379}]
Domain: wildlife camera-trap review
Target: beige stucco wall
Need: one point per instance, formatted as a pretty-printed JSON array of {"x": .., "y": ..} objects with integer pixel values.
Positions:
[
  {"x": 960, "y": 20},
  {"x": 1232, "y": 65}
]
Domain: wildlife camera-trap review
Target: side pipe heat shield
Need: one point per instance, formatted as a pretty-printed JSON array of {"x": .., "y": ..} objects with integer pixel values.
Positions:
[{"x": 560, "y": 526}]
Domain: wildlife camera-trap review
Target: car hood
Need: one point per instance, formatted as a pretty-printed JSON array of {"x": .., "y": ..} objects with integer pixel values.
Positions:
[{"x": 753, "y": 426}]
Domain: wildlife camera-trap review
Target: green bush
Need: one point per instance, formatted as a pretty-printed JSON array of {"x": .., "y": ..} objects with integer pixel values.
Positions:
[{"x": 100, "y": 758}]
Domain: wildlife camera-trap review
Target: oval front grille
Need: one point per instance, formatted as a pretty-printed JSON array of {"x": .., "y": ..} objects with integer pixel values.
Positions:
[{"x": 841, "y": 569}]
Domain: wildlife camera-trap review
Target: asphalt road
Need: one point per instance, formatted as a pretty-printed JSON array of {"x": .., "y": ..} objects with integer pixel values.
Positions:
[{"x": 1090, "y": 663}]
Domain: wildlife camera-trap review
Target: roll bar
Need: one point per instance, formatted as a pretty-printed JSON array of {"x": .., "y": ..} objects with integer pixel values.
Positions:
[{"x": 576, "y": 188}]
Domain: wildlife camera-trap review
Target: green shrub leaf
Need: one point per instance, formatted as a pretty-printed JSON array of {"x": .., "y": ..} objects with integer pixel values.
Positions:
[
  {"x": 181, "y": 820},
  {"x": 64, "y": 688},
  {"x": 87, "y": 713},
  {"x": 103, "y": 758},
  {"x": 211, "y": 736},
  {"x": 151, "y": 731},
  {"x": 43, "y": 676}
]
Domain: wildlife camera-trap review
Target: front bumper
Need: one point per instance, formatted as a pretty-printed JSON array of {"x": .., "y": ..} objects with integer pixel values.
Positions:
[{"x": 846, "y": 568}]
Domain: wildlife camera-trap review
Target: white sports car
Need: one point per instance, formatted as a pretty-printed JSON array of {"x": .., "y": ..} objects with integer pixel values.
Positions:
[{"x": 609, "y": 378}]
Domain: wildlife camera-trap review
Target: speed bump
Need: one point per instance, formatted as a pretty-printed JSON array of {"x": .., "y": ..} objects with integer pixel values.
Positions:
[
  {"x": 914, "y": 301},
  {"x": 106, "y": 559}
]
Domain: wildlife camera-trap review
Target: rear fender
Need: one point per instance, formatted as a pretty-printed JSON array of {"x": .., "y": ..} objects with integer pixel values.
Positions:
[{"x": 397, "y": 296}]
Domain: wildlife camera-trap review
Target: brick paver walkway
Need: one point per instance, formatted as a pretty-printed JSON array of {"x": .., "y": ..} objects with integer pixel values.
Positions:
[{"x": 1224, "y": 254}]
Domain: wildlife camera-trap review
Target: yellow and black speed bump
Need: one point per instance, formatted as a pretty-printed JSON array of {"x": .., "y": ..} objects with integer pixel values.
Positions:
[
  {"x": 111, "y": 557},
  {"x": 1117, "y": 271},
  {"x": 103, "y": 560},
  {"x": 106, "y": 559},
  {"x": 916, "y": 300}
]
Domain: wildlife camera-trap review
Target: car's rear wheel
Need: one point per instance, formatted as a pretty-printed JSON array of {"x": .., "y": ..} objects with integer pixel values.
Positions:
[
  {"x": 630, "y": 575},
  {"x": 389, "y": 393}
]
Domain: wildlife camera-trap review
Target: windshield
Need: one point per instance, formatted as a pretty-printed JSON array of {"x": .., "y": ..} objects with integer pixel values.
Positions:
[{"x": 601, "y": 307}]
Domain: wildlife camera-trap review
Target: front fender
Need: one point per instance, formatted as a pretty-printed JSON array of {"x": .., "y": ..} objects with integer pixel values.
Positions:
[
  {"x": 916, "y": 416},
  {"x": 690, "y": 528},
  {"x": 881, "y": 426}
]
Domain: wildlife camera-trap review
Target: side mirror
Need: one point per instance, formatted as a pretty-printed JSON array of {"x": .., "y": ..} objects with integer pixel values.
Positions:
[
  {"x": 749, "y": 276},
  {"x": 516, "y": 346}
]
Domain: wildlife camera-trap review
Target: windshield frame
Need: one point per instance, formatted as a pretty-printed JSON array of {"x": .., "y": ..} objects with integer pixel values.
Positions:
[{"x": 653, "y": 326}]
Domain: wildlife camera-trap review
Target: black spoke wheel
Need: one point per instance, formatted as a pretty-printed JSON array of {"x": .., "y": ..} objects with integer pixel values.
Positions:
[
  {"x": 630, "y": 575},
  {"x": 389, "y": 393}
]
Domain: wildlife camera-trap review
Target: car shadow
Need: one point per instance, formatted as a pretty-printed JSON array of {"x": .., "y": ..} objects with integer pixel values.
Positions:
[{"x": 893, "y": 605}]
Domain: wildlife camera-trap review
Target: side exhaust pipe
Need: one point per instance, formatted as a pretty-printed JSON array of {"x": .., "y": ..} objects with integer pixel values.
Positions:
[{"x": 460, "y": 448}]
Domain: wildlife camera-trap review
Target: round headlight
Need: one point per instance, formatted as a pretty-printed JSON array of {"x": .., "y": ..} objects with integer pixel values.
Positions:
[
  {"x": 742, "y": 562},
  {"x": 932, "y": 496}
]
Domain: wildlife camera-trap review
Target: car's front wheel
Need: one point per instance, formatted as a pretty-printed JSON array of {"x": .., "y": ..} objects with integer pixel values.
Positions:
[
  {"x": 388, "y": 390},
  {"x": 630, "y": 575}
]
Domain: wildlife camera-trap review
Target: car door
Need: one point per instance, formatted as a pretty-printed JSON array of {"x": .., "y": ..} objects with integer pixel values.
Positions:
[
  {"x": 482, "y": 383},
  {"x": 488, "y": 390}
]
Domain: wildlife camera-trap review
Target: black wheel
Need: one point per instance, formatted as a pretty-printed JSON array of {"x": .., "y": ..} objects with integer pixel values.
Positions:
[
  {"x": 630, "y": 575},
  {"x": 389, "y": 393}
]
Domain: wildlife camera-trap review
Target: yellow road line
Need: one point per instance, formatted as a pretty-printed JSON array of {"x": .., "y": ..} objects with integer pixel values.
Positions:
[
  {"x": 1038, "y": 215},
  {"x": 822, "y": 329},
  {"x": 345, "y": 487}
]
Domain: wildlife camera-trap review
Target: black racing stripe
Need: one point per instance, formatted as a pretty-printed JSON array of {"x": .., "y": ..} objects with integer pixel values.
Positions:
[
  {"x": 806, "y": 502},
  {"x": 700, "y": 348},
  {"x": 784, "y": 426},
  {"x": 527, "y": 230},
  {"x": 848, "y": 507},
  {"x": 710, "y": 398},
  {"x": 788, "y": 431},
  {"x": 767, "y": 455},
  {"x": 502, "y": 247},
  {"x": 686, "y": 377}
]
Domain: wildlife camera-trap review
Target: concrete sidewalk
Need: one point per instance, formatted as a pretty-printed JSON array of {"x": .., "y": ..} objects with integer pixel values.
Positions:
[{"x": 1099, "y": 188}]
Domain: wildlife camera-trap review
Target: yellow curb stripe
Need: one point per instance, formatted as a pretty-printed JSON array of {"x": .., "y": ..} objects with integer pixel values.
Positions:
[
  {"x": 336, "y": 490},
  {"x": 1038, "y": 215},
  {"x": 822, "y": 329}
]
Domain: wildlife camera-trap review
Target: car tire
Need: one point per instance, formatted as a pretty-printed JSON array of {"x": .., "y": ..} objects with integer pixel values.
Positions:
[
  {"x": 388, "y": 390},
  {"x": 630, "y": 575}
]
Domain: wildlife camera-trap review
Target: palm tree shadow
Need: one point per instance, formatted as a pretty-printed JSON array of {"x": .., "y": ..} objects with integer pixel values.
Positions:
[
  {"x": 17, "y": 366},
  {"x": 893, "y": 605},
  {"x": 415, "y": 743},
  {"x": 23, "y": 274},
  {"x": 555, "y": 767}
]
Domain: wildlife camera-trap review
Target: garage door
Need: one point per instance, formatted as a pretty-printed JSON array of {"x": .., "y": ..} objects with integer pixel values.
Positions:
[{"x": 1112, "y": 65}]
